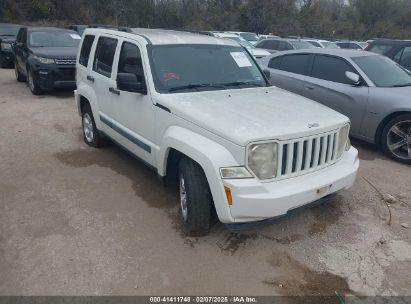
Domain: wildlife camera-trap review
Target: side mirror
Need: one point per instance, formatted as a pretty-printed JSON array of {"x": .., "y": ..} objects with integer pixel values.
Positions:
[
  {"x": 355, "y": 78},
  {"x": 128, "y": 82},
  {"x": 267, "y": 74}
]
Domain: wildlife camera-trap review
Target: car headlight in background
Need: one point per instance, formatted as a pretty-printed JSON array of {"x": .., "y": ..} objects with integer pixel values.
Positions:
[
  {"x": 6, "y": 46},
  {"x": 44, "y": 60},
  {"x": 343, "y": 141},
  {"x": 235, "y": 173},
  {"x": 262, "y": 160}
]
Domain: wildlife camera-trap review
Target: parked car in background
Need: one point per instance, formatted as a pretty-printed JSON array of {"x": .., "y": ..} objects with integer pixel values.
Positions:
[
  {"x": 250, "y": 37},
  {"x": 8, "y": 33},
  {"x": 78, "y": 28},
  {"x": 201, "y": 113},
  {"x": 262, "y": 37},
  {"x": 273, "y": 45},
  {"x": 353, "y": 45},
  {"x": 324, "y": 44},
  {"x": 372, "y": 90},
  {"x": 397, "y": 50},
  {"x": 257, "y": 53},
  {"x": 45, "y": 57}
]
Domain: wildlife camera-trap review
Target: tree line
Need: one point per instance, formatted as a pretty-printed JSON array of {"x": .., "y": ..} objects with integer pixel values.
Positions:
[{"x": 348, "y": 19}]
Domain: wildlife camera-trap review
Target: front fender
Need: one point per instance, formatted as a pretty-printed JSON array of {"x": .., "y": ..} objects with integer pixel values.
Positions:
[{"x": 210, "y": 155}]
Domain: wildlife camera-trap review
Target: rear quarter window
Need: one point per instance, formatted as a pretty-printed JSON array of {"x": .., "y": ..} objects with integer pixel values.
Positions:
[{"x": 86, "y": 49}]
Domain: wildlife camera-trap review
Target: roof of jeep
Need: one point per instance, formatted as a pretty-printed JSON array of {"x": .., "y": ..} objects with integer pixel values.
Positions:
[{"x": 161, "y": 37}]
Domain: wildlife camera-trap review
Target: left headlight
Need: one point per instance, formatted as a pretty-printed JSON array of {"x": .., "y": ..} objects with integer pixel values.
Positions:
[
  {"x": 44, "y": 60},
  {"x": 262, "y": 160},
  {"x": 6, "y": 46}
]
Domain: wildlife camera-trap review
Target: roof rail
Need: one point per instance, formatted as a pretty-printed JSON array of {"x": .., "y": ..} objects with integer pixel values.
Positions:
[{"x": 111, "y": 27}]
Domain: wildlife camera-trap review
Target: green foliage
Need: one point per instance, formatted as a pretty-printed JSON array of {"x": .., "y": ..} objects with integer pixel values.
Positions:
[{"x": 353, "y": 19}]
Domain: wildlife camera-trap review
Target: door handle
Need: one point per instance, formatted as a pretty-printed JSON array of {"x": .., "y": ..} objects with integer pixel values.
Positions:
[
  {"x": 114, "y": 91},
  {"x": 90, "y": 78},
  {"x": 308, "y": 87}
]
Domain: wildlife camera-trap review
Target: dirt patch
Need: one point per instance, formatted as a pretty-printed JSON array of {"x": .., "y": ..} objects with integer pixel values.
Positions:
[
  {"x": 144, "y": 181},
  {"x": 295, "y": 279},
  {"x": 233, "y": 241},
  {"x": 326, "y": 215},
  {"x": 287, "y": 240},
  {"x": 59, "y": 128}
]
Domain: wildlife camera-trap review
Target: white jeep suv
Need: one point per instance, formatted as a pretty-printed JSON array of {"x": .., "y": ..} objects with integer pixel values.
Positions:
[{"x": 201, "y": 113}]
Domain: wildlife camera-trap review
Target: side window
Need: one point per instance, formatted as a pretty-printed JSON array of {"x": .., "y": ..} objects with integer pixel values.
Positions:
[
  {"x": 344, "y": 45},
  {"x": 262, "y": 44},
  {"x": 273, "y": 45},
  {"x": 103, "y": 60},
  {"x": 315, "y": 43},
  {"x": 275, "y": 63},
  {"x": 406, "y": 57},
  {"x": 85, "y": 50},
  {"x": 130, "y": 61},
  {"x": 331, "y": 69},
  {"x": 295, "y": 63}
]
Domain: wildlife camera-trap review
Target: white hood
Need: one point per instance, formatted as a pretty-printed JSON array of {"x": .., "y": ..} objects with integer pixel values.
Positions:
[{"x": 247, "y": 115}]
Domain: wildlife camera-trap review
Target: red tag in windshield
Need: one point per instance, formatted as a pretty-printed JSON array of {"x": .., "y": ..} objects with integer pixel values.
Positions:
[{"x": 170, "y": 76}]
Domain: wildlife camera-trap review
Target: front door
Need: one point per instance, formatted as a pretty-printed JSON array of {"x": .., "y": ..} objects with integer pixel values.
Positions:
[{"x": 134, "y": 112}]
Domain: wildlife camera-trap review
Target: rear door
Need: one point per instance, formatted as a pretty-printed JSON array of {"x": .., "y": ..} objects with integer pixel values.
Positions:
[
  {"x": 327, "y": 84},
  {"x": 289, "y": 72},
  {"x": 102, "y": 79}
]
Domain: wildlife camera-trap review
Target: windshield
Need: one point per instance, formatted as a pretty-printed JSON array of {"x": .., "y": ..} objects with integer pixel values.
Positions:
[
  {"x": 9, "y": 31},
  {"x": 302, "y": 45},
  {"x": 185, "y": 68},
  {"x": 249, "y": 36},
  {"x": 54, "y": 39},
  {"x": 330, "y": 45},
  {"x": 383, "y": 72}
]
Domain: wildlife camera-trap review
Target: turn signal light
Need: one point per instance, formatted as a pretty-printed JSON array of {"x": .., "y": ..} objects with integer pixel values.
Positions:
[{"x": 229, "y": 196}]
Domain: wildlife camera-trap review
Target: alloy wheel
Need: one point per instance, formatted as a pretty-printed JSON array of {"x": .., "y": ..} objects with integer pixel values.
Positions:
[
  {"x": 183, "y": 199},
  {"x": 399, "y": 139},
  {"x": 88, "y": 128}
]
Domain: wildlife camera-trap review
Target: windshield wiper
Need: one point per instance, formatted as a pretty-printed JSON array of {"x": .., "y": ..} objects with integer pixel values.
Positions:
[
  {"x": 240, "y": 83},
  {"x": 402, "y": 85},
  {"x": 196, "y": 86}
]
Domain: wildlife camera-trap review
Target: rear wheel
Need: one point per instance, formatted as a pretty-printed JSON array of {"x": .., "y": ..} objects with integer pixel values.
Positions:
[
  {"x": 91, "y": 135},
  {"x": 19, "y": 76},
  {"x": 195, "y": 198},
  {"x": 33, "y": 86},
  {"x": 396, "y": 138}
]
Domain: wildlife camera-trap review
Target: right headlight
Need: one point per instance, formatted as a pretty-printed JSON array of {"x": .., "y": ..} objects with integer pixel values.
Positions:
[
  {"x": 262, "y": 160},
  {"x": 343, "y": 140},
  {"x": 6, "y": 46}
]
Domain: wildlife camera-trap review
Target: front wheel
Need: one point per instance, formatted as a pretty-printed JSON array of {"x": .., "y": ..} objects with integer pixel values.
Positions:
[
  {"x": 195, "y": 198},
  {"x": 396, "y": 138}
]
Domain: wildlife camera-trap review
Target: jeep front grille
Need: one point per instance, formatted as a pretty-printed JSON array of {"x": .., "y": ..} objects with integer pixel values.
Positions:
[{"x": 304, "y": 155}]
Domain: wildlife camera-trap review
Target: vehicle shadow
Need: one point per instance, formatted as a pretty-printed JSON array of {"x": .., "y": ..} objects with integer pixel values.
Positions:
[
  {"x": 62, "y": 93},
  {"x": 367, "y": 151}
]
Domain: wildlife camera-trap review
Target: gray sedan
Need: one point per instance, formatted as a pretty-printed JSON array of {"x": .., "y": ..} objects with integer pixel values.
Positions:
[{"x": 372, "y": 90}]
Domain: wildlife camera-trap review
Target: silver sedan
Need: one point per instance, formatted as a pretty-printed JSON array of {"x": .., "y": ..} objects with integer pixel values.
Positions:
[{"x": 372, "y": 90}]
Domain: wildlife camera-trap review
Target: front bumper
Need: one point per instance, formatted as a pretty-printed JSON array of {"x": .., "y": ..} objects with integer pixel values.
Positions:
[
  {"x": 254, "y": 200},
  {"x": 7, "y": 57},
  {"x": 53, "y": 76}
]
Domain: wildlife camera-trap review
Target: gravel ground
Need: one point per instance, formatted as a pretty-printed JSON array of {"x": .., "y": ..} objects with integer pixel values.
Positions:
[{"x": 80, "y": 221}]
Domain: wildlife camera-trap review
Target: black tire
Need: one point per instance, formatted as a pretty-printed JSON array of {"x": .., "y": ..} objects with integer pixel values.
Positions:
[
  {"x": 97, "y": 139},
  {"x": 198, "y": 198},
  {"x": 19, "y": 76},
  {"x": 2, "y": 63},
  {"x": 32, "y": 82},
  {"x": 387, "y": 138}
]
